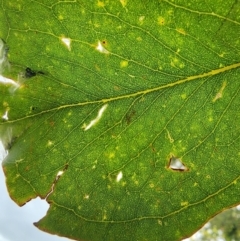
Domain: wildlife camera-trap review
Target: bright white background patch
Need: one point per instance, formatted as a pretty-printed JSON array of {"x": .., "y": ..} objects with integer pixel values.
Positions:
[
  {"x": 16, "y": 223},
  {"x": 3, "y": 153}
]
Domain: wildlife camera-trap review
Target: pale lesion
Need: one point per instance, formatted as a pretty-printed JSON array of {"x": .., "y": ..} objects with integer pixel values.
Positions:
[
  {"x": 67, "y": 42},
  {"x": 94, "y": 121},
  {"x": 220, "y": 92}
]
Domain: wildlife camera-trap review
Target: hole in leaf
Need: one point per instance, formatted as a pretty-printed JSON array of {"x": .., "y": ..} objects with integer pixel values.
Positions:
[{"x": 176, "y": 164}]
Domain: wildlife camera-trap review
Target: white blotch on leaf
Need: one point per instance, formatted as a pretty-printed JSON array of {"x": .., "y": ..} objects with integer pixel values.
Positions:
[
  {"x": 93, "y": 122},
  {"x": 5, "y": 116},
  {"x": 60, "y": 173},
  {"x": 86, "y": 196},
  {"x": 66, "y": 42},
  {"x": 49, "y": 143},
  {"x": 3, "y": 56},
  {"x": 119, "y": 176},
  {"x": 101, "y": 49},
  {"x": 141, "y": 19},
  {"x": 159, "y": 222},
  {"x": 8, "y": 81}
]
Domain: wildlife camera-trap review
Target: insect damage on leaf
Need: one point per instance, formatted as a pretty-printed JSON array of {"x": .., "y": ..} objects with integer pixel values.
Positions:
[
  {"x": 176, "y": 164},
  {"x": 94, "y": 121},
  {"x": 3, "y": 56},
  {"x": 59, "y": 174},
  {"x": 119, "y": 176},
  {"x": 5, "y": 115},
  {"x": 220, "y": 92},
  {"x": 101, "y": 49},
  {"x": 4, "y": 64},
  {"x": 29, "y": 73},
  {"x": 67, "y": 42},
  {"x": 126, "y": 102}
]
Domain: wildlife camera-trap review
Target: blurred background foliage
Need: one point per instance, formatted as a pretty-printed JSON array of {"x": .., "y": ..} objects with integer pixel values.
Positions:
[{"x": 223, "y": 227}]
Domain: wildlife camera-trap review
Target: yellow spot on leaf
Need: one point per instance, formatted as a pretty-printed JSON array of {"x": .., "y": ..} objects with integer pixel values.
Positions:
[
  {"x": 221, "y": 55},
  {"x": 182, "y": 31},
  {"x": 161, "y": 20},
  {"x": 60, "y": 17},
  {"x": 104, "y": 217},
  {"x": 141, "y": 19},
  {"x": 184, "y": 203},
  {"x": 170, "y": 137},
  {"x": 100, "y": 4},
  {"x": 183, "y": 96},
  {"x": 123, "y": 64},
  {"x": 111, "y": 155},
  {"x": 210, "y": 119},
  {"x": 123, "y": 2},
  {"x": 151, "y": 185}
]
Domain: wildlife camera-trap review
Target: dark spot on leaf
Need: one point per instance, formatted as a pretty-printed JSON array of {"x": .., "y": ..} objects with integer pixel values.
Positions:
[
  {"x": 40, "y": 72},
  {"x": 29, "y": 73},
  {"x": 129, "y": 116},
  {"x": 33, "y": 108},
  {"x": 52, "y": 123},
  {"x": 11, "y": 142},
  {"x": 153, "y": 148},
  {"x": 66, "y": 167}
]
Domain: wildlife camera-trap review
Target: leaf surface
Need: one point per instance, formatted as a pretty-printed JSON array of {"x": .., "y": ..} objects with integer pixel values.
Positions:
[{"x": 124, "y": 115}]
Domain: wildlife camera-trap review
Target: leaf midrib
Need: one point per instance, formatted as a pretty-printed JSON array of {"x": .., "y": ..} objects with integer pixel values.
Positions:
[{"x": 142, "y": 92}]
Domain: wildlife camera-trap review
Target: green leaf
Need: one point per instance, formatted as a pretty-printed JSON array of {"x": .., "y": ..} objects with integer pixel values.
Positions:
[{"x": 124, "y": 115}]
